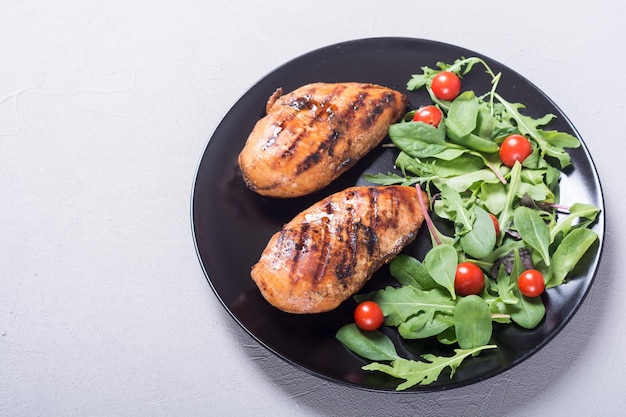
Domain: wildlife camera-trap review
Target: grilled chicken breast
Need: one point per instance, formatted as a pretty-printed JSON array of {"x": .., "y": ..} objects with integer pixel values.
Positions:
[
  {"x": 314, "y": 134},
  {"x": 329, "y": 251}
]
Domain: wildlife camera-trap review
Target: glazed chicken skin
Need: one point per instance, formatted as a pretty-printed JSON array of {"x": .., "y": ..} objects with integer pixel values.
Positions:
[
  {"x": 312, "y": 135},
  {"x": 328, "y": 252}
]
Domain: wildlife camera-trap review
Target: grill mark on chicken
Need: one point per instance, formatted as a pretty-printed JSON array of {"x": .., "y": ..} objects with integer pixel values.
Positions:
[
  {"x": 323, "y": 112},
  {"x": 300, "y": 247},
  {"x": 326, "y": 111}
]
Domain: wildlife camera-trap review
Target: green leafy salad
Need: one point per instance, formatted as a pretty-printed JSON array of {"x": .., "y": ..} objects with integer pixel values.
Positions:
[{"x": 492, "y": 174}]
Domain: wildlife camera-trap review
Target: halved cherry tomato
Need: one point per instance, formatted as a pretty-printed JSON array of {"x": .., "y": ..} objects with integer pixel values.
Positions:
[
  {"x": 368, "y": 316},
  {"x": 496, "y": 225},
  {"x": 469, "y": 279},
  {"x": 430, "y": 115},
  {"x": 446, "y": 85},
  {"x": 531, "y": 283},
  {"x": 515, "y": 148}
]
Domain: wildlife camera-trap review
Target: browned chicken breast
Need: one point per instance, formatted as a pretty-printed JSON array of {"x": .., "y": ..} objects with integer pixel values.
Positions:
[
  {"x": 329, "y": 251},
  {"x": 314, "y": 134}
]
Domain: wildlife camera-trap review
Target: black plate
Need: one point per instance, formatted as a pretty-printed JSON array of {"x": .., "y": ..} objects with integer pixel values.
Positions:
[{"x": 232, "y": 225}]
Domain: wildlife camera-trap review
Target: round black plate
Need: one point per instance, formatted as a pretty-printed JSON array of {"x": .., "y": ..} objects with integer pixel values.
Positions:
[{"x": 232, "y": 225}]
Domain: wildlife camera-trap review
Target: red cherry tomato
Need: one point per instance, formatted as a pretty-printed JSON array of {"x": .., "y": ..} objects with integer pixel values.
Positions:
[
  {"x": 514, "y": 148},
  {"x": 531, "y": 283},
  {"x": 496, "y": 225},
  {"x": 430, "y": 115},
  {"x": 468, "y": 279},
  {"x": 446, "y": 85},
  {"x": 368, "y": 316}
]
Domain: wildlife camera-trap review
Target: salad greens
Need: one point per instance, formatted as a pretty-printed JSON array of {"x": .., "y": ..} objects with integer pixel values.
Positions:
[{"x": 458, "y": 165}]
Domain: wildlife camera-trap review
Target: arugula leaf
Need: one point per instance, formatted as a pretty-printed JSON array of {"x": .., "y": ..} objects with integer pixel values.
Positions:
[
  {"x": 454, "y": 207},
  {"x": 400, "y": 303},
  {"x": 390, "y": 179},
  {"x": 552, "y": 143},
  {"x": 576, "y": 211},
  {"x": 425, "y": 324},
  {"x": 505, "y": 287},
  {"x": 427, "y": 371}
]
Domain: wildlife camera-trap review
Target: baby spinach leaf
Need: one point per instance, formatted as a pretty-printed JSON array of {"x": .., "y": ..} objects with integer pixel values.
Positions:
[
  {"x": 419, "y": 140},
  {"x": 424, "y": 372},
  {"x": 476, "y": 143},
  {"x": 538, "y": 192},
  {"x": 373, "y": 345},
  {"x": 447, "y": 337},
  {"x": 463, "y": 114},
  {"x": 493, "y": 196},
  {"x": 568, "y": 253},
  {"x": 441, "y": 263},
  {"x": 486, "y": 123},
  {"x": 472, "y": 322},
  {"x": 533, "y": 230},
  {"x": 528, "y": 312},
  {"x": 481, "y": 239},
  {"x": 409, "y": 271}
]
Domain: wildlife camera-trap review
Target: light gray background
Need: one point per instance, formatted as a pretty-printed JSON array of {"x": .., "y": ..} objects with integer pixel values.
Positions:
[{"x": 105, "y": 110}]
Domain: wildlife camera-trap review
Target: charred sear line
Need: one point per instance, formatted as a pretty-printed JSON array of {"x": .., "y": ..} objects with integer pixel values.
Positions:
[
  {"x": 324, "y": 248},
  {"x": 299, "y": 239},
  {"x": 370, "y": 239},
  {"x": 359, "y": 237},
  {"x": 333, "y": 138},
  {"x": 321, "y": 249},
  {"x": 390, "y": 99},
  {"x": 346, "y": 264},
  {"x": 359, "y": 101},
  {"x": 373, "y": 115},
  {"x": 309, "y": 161},
  {"x": 396, "y": 205},
  {"x": 324, "y": 112},
  {"x": 373, "y": 208}
]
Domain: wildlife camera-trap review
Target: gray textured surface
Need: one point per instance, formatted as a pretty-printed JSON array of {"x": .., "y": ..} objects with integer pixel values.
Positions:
[{"x": 105, "y": 109}]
